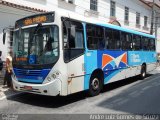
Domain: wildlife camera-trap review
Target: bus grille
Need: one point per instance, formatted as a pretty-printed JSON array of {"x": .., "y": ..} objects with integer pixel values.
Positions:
[
  {"x": 21, "y": 72},
  {"x": 31, "y": 76}
]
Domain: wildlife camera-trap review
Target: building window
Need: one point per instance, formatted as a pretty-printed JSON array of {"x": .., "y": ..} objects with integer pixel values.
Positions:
[
  {"x": 137, "y": 18},
  {"x": 93, "y": 5},
  {"x": 126, "y": 14},
  {"x": 157, "y": 21},
  {"x": 113, "y": 9},
  {"x": 145, "y": 21},
  {"x": 71, "y": 1}
]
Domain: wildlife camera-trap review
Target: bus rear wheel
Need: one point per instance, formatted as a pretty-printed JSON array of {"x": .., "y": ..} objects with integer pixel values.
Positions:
[
  {"x": 143, "y": 72},
  {"x": 95, "y": 86}
]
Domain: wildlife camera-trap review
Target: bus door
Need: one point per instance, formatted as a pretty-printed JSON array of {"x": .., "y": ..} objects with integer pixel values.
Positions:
[{"x": 74, "y": 54}]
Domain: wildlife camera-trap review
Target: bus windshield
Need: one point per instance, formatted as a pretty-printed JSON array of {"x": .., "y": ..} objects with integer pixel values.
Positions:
[{"x": 36, "y": 45}]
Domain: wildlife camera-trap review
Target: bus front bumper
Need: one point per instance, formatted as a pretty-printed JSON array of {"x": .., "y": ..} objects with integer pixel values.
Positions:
[{"x": 52, "y": 88}]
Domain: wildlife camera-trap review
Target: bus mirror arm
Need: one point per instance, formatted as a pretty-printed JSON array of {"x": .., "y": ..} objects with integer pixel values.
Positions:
[{"x": 10, "y": 28}]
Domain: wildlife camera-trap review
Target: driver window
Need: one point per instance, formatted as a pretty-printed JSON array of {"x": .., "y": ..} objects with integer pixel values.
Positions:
[{"x": 73, "y": 39}]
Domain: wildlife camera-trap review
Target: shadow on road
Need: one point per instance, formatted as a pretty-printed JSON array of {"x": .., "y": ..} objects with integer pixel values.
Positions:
[
  {"x": 141, "y": 98},
  {"x": 117, "y": 84},
  {"x": 48, "y": 101},
  {"x": 59, "y": 101}
]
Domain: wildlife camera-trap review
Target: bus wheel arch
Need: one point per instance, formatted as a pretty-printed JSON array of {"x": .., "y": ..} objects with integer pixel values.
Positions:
[
  {"x": 143, "y": 71},
  {"x": 96, "y": 82}
]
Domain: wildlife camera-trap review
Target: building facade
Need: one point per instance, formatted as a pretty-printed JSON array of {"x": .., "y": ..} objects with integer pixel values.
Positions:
[
  {"x": 132, "y": 14},
  {"x": 9, "y": 13}
]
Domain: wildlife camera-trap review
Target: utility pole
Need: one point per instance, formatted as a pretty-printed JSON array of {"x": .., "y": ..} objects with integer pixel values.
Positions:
[
  {"x": 152, "y": 18},
  {"x": 156, "y": 26}
]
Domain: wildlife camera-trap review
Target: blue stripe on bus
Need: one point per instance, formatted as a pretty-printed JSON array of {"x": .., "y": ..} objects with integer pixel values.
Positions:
[
  {"x": 30, "y": 80},
  {"x": 85, "y": 34},
  {"x": 90, "y": 61}
]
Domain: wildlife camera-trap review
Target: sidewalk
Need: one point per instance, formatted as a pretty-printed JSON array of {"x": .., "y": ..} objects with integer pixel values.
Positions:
[{"x": 5, "y": 92}]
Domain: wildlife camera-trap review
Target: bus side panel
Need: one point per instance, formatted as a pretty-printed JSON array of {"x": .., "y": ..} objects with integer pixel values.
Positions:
[
  {"x": 151, "y": 67},
  {"x": 76, "y": 75},
  {"x": 136, "y": 58},
  {"x": 134, "y": 61},
  {"x": 133, "y": 64},
  {"x": 90, "y": 65},
  {"x": 110, "y": 62}
]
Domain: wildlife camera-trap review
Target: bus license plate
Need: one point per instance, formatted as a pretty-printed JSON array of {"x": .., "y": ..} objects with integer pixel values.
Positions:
[{"x": 27, "y": 87}]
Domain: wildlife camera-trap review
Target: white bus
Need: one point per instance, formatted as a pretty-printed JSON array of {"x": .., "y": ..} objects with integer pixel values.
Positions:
[{"x": 63, "y": 53}]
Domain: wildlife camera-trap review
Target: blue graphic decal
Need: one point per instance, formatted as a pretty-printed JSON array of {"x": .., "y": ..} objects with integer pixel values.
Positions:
[
  {"x": 32, "y": 59},
  {"x": 111, "y": 60},
  {"x": 139, "y": 57},
  {"x": 109, "y": 74}
]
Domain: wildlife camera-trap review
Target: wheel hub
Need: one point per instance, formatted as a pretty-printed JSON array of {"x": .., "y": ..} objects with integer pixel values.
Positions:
[
  {"x": 143, "y": 74},
  {"x": 95, "y": 84}
]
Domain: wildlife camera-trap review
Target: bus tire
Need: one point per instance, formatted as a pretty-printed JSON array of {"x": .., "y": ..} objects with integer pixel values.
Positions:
[
  {"x": 143, "y": 72},
  {"x": 95, "y": 85}
]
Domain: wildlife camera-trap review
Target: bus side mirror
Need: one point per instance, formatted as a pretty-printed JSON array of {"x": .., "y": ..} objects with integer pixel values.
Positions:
[{"x": 4, "y": 37}]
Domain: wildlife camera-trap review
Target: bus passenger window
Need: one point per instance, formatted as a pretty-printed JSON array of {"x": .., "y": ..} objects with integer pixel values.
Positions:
[
  {"x": 116, "y": 39},
  {"x": 113, "y": 38},
  {"x": 108, "y": 36},
  {"x": 152, "y": 45},
  {"x": 91, "y": 43},
  {"x": 136, "y": 42},
  {"x": 145, "y": 43},
  {"x": 126, "y": 39},
  {"x": 95, "y": 37}
]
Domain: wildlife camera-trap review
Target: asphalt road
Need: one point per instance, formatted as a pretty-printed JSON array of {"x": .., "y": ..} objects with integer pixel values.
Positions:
[{"x": 129, "y": 96}]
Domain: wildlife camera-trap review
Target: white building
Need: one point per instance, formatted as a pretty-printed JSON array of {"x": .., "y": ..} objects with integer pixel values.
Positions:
[
  {"x": 9, "y": 13},
  {"x": 133, "y": 14}
]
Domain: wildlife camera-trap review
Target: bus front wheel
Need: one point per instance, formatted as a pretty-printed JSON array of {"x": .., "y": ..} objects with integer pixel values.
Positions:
[
  {"x": 95, "y": 85},
  {"x": 143, "y": 72}
]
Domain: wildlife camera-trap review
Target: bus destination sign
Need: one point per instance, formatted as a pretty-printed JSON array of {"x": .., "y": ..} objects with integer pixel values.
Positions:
[{"x": 35, "y": 19}]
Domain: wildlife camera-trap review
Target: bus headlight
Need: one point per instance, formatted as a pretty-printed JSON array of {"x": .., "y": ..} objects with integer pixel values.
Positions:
[
  {"x": 53, "y": 76},
  {"x": 49, "y": 79}
]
